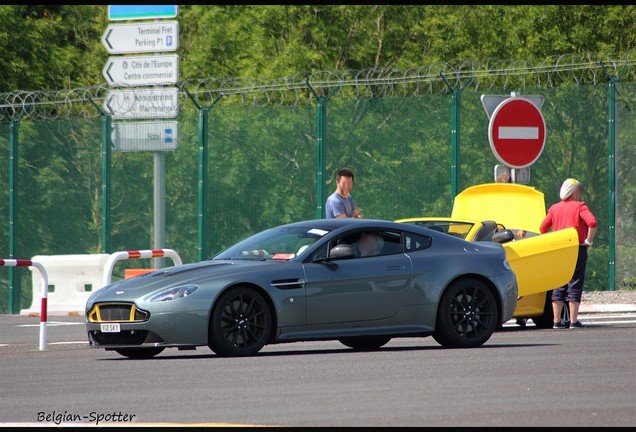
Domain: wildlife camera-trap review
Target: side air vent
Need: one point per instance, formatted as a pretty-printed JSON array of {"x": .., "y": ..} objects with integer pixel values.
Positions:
[{"x": 288, "y": 283}]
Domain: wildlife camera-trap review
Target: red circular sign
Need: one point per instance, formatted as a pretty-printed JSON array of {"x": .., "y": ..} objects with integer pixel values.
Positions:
[{"x": 517, "y": 132}]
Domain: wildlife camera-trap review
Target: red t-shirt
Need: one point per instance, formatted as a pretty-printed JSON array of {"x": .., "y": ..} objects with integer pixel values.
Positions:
[{"x": 569, "y": 213}]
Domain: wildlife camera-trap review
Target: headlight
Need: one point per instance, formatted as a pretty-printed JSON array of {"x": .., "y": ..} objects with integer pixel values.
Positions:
[
  {"x": 173, "y": 293},
  {"x": 506, "y": 265}
]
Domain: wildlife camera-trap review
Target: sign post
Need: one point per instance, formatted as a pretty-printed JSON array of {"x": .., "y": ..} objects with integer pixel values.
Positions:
[{"x": 139, "y": 103}]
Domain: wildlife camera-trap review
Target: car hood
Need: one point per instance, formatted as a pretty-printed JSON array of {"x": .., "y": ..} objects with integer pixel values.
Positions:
[{"x": 196, "y": 273}]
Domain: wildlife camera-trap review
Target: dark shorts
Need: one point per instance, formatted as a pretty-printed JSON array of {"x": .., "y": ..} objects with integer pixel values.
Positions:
[{"x": 573, "y": 290}]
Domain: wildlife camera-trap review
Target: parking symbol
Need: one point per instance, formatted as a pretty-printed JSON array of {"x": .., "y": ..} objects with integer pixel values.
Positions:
[{"x": 169, "y": 41}]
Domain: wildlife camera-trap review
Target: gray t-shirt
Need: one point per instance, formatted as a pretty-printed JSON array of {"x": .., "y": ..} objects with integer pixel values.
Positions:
[{"x": 337, "y": 205}]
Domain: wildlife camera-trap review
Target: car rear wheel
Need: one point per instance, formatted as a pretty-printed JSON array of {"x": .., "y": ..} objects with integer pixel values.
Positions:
[
  {"x": 467, "y": 315},
  {"x": 365, "y": 343},
  {"x": 544, "y": 321},
  {"x": 241, "y": 323},
  {"x": 139, "y": 353}
]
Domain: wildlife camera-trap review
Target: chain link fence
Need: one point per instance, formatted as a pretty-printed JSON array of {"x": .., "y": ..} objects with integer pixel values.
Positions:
[{"x": 273, "y": 148}]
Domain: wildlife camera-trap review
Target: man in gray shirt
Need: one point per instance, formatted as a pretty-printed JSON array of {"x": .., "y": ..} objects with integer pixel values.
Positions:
[{"x": 340, "y": 203}]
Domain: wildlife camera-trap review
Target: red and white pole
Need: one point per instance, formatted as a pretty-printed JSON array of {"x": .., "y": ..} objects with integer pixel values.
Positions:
[
  {"x": 45, "y": 291},
  {"x": 136, "y": 254}
]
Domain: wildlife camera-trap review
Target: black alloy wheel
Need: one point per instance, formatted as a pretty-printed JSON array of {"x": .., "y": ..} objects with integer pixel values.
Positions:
[
  {"x": 467, "y": 315},
  {"x": 240, "y": 324}
]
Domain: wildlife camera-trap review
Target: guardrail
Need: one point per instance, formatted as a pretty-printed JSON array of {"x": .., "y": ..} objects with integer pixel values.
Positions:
[
  {"x": 45, "y": 290},
  {"x": 106, "y": 277},
  {"x": 136, "y": 254}
]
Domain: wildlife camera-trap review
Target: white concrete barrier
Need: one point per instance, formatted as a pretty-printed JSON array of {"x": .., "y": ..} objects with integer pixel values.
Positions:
[{"x": 71, "y": 280}]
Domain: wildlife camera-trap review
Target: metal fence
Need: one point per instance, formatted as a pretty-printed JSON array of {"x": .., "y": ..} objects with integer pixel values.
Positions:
[{"x": 252, "y": 155}]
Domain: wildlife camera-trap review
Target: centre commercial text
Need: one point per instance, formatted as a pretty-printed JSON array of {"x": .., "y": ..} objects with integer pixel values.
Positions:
[{"x": 149, "y": 63}]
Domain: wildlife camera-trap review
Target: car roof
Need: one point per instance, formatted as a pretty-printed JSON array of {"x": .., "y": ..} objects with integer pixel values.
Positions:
[{"x": 333, "y": 224}]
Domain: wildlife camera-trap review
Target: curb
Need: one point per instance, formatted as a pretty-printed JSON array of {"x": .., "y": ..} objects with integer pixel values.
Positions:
[{"x": 604, "y": 308}]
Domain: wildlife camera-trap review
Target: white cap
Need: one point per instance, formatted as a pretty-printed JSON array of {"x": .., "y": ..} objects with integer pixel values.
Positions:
[{"x": 569, "y": 186}]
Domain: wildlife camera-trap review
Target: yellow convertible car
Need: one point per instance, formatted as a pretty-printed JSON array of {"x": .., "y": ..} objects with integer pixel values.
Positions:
[{"x": 498, "y": 212}]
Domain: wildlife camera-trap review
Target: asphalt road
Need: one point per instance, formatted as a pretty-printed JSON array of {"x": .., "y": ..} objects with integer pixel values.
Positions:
[{"x": 520, "y": 377}]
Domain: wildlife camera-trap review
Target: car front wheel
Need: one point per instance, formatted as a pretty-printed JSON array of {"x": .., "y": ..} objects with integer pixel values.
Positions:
[
  {"x": 467, "y": 315},
  {"x": 241, "y": 323}
]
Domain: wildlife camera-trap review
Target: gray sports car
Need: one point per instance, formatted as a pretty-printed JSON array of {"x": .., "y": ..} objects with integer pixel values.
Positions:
[{"x": 358, "y": 281}]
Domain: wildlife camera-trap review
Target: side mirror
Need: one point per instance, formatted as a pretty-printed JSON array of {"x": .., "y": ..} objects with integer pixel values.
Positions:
[
  {"x": 503, "y": 236},
  {"x": 342, "y": 251}
]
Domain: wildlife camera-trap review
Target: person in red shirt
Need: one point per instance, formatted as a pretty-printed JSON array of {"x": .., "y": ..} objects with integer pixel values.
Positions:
[{"x": 570, "y": 212}]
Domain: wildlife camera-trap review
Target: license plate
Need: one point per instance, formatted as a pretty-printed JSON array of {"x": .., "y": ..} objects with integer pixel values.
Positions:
[{"x": 110, "y": 328}]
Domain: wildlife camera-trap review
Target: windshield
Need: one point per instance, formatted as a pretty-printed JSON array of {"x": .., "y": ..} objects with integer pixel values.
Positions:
[{"x": 281, "y": 243}]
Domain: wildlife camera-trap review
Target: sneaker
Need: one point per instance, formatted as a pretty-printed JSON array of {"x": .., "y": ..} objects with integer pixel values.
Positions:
[
  {"x": 577, "y": 324},
  {"x": 559, "y": 325}
]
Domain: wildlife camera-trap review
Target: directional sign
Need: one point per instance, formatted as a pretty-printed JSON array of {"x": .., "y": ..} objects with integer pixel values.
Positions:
[
  {"x": 135, "y": 12},
  {"x": 142, "y": 103},
  {"x": 140, "y": 136},
  {"x": 142, "y": 70},
  {"x": 141, "y": 37},
  {"x": 516, "y": 132}
]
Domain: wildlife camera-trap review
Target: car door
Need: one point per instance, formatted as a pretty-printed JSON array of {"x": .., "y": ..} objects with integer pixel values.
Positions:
[
  {"x": 358, "y": 288},
  {"x": 543, "y": 262}
]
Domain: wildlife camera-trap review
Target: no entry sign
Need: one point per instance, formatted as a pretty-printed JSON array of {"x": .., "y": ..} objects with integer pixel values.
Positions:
[{"x": 516, "y": 132}]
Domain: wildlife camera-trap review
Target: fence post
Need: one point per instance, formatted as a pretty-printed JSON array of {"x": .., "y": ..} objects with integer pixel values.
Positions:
[
  {"x": 321, "y": 132},
  {"x": 202, "y": 246},
  {"x": 106, "y": 175},
  {"x": 611, "y": 174},
  {"x": 455, "y": 142},
  {"x": 14, "y": 290}
]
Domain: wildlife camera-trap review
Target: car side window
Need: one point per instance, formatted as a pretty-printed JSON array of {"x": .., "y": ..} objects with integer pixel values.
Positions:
[{"x": 415, "y": 242}]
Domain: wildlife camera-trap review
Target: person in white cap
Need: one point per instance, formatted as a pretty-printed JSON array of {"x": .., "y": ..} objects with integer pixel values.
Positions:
[{"x": 570, "y": 212}]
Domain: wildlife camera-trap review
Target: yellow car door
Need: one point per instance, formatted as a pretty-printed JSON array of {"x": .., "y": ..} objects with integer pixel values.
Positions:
[{"x": 544, "y": 261}]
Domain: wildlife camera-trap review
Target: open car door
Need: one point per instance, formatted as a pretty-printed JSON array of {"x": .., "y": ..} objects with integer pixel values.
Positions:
[{"x": 543, "y": 262}]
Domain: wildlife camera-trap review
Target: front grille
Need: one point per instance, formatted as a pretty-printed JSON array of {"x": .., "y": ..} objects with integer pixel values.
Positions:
[
  {"x": 117, "y": 312},
  {"x": 125, "y": 337}
]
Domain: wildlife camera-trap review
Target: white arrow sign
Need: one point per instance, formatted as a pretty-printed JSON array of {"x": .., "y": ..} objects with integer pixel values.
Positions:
[
  {"x": 142, "y": 103},
  {"x": 139, "y": 136},
  {"x": 141, "y": 37},
  {"x": 142, "y": 70}
]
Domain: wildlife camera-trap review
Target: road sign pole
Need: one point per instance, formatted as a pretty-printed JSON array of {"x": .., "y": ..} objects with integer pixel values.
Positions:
[
  {"x": 106, "y": 182},
  {"x": 159, "y": 232}
]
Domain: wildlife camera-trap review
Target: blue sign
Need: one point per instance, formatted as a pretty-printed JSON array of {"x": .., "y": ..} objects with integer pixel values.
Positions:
[{"x": 136, "y": 12}]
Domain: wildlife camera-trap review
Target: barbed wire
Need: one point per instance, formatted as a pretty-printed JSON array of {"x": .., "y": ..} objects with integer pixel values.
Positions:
[{"x": 301, "y": 89}]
